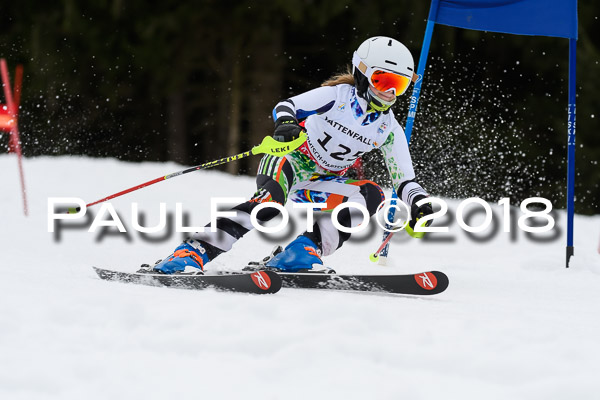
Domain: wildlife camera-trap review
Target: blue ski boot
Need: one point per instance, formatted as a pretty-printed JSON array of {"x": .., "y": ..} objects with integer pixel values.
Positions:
[
  {"x": 302, "y": 255},
  {"x": 189, "y": 257}
]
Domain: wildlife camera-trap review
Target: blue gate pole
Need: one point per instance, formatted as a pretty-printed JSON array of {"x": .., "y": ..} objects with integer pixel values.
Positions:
[
  {"x": 412, "y": 111},
  {"x": 414, "y": 100},
  {"x": 571, "y": 149}
]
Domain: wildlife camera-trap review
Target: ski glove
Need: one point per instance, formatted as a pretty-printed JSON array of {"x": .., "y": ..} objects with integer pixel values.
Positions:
[
  {"x": 417, "y": 212},
  {"x": 286, "y": 129}
]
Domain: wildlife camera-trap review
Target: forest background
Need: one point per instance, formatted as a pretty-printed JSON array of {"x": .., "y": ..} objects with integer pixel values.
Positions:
[{"x": 193, "y": 81}]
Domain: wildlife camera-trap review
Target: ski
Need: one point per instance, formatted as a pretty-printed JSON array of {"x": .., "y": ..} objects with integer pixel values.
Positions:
[
  {"x": 423, "y": 283},
  {"x": 258, "y": 282}
]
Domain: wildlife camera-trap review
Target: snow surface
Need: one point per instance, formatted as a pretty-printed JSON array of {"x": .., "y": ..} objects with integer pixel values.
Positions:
[{"x": 514, "y": 323}]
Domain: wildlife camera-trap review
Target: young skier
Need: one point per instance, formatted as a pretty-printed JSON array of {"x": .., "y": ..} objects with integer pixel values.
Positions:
[{"x": 347, "y": 116}]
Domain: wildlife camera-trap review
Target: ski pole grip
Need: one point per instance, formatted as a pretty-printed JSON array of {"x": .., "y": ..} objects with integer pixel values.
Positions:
[{"x": 279, "y": 149}]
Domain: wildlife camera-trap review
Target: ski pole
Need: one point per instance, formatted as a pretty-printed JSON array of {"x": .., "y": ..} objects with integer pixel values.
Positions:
[
  {"x": 373, "y": 257},
  {"x": 267, "y": 146},
  {"x": 417, "y": 235}
]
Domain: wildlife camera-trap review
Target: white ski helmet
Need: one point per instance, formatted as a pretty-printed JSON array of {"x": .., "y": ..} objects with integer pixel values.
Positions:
[{"x": 385, "y": 64}]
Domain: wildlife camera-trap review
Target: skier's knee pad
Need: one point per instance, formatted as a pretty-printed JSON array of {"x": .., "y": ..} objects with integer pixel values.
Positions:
[
  {"x": 373, "y": 195},
  {"x": 269, "y": 190}
]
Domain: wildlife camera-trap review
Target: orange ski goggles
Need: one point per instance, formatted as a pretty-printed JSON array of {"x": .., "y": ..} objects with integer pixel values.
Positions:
[
  {"x": 382, "y": 79},
  {"x": 385, "y": 81}
]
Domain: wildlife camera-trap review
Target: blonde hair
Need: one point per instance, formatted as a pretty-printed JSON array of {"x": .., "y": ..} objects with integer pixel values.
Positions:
[{"x": 340, "y": 78}]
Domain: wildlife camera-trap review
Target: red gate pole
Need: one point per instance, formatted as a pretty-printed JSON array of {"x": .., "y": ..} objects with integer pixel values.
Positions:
[{"x": 15, "y": 142}]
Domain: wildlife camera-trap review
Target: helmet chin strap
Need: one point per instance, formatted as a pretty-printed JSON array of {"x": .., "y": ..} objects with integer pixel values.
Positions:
[{"x": 377, "y": 103}]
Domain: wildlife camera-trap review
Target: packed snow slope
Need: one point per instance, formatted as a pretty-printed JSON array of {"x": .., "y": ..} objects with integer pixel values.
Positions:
[{"x": 514, "y": 323}]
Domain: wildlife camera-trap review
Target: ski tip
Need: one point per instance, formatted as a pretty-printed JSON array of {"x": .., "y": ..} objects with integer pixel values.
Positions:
[
  {"x": 266, "y": 281},
  {"x": 443, "y": 280},
  {"x": 432, "y": 282}
]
